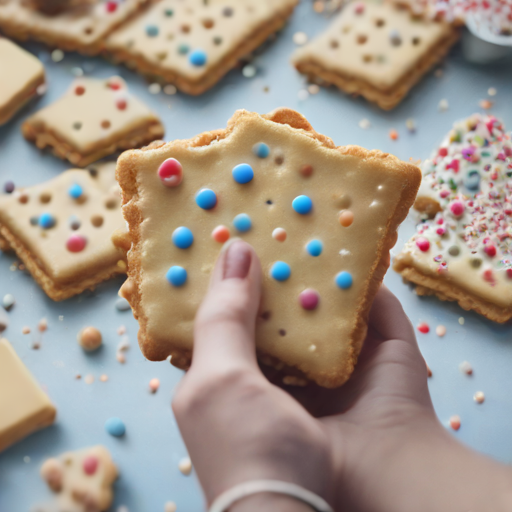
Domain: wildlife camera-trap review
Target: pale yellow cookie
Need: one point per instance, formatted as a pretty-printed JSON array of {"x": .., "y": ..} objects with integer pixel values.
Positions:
[
  {"x": 95, "y": 118},
  {"x": 82, "y": 480},
  {"x": 62, "y": 230},
  {"x": 194, "y": 44},
  {"x": 82, "y": 28},
  {"x": 24, "y": 407},
  {"x": 375, "y": 50},
  {"x": 321, "y": 218},
  {"x": 21, "y": 74}
]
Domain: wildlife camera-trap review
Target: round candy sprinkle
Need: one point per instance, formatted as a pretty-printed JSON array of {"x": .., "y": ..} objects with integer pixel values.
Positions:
[
  {"x": 152, "y": 30},
  {"x": 183, "y": 49},
  {"x": 115, "y": 427},
  {"x": 90, "y": 465},
  {"x": 206, "y": 199},
  {"x": 121, "y": 104},
  {"x": 34, "y": 221},
  {"x": 185, "y": 466},
  {"x": 122, "y": 304},
  {"x": 423, "y": 328},
  {"x": 314, "y": 247},
  {"x": 170, "y": 172},
  {"x": 306, "y": 170},
  {"x": 242, "y": 222},
  {"x": 280, "y": 271},
  {"x": 490, "y": 250},
  {"x": 76, "y": 243},
  {"x": 243, "y": 173},
  {"x": 455, "y": 422},
  {"x": 465, "y": 367},
  {"x": 346, "y": 218},
  {"x": 75, "y": 191},
  {"x": 46, "y": 221},
  {"x": 302, "y": 205},
  {"x": 9, "y": 187},
  {"x": 154, "y": 384},
  {"x": 423, "y": 244},
  {"x": 221, "y": 234},
  {"x": 111, "y": 6},
  {"x": 440, "y": 330},
  {"x": 8, "y": 301},
  {"x": 182, "y": 237},
  {"x": 197, "y": 58},
  {"x": 279, "y": 234},
  {"x": 170, "y": 506},
  {"x": 177, "y": 276},
  {"x": 261, "y": 150},
  {"x": 472, "y": 181},
  {"x": 344, "y": 280},
  {"x": 74, "y": 222},
  {"x": 457, "y": 208},
  {"x": 309, "y": 299},
  {"x": 89, "y": 338},
  {"x": 479, "y": 397}
]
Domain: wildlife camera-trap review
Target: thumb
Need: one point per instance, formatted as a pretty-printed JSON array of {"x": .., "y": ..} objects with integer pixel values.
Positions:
[{"x": 225, "y": 323}]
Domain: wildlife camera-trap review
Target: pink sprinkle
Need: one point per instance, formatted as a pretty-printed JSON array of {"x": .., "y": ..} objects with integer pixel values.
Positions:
[
  {"x": 455, "y": 422},
  {"x": 76, "y": 243},
  {"x": 423, "y": 328},
  {"x": 457, "y": 208},
  {"x": 455, "y": 165},
  {"x": 121, "y": 104},
  {"x": 443, "y": 152},
  {"x": 509, "y": 273},
  {"x": 154, "y": 384},
  {"x": 90, "y": 465},
  {"x": 309, "y": 299},
  {"x": 111, "y": 6},
  {"x": 171, "y": 172},
  {"x": 441, "y": 231},
  {"x": 423, "y": 244},
  {"x": 490, "y": 250},
  {"x": 444, "y": 193},
  {"x": 359, "y": 8}
]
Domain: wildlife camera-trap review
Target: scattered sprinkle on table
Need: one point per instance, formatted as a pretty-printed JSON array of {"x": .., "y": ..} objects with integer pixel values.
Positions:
[
  {"x": 170, "y": 506},
  {"x": 313, "y": 89},
  {"x": 393, "y": 134},
  {"x": 122, "y": 304},
  {"x": 249, "y": 71},
  {"x": 89, "y": 338},
  {"x": 185, "y": 466},
  {"x": 115, "y": 427},
  {"x": 486, "y": 104},
  {"x": 461, "y": 320},
  {"x": 104, "y": 378},
  {"x": 170, "y": 89},
  {"x": 479, "y": 397},
  {"x": 89, "y": 379},
  {"x": 300, "y": 38},
  {"x": 466, "y": 368},
  {"x": 8, "y": 301},
  {"x": 423, "y": 327},
  {"x": 492, "y": 91},
  {"x": 154, "y": 88},
  {"x": 364, "y": 124},
  {"x": 42, "y": 325},
  {"x": 25, "y": 329},
  {"x": 443, "y": 105},
  {"x": 120, "y": 358},
  {"x": 410, "y": 124},
  {"x": 303, "y": 95},
  {"x": 154, "y": 384},
  {"x": 455, "y": 422},
  {"x": 57, "y": 55},
  {"x": 440, "y": 330},
  {"x": 121, "y": 330}
]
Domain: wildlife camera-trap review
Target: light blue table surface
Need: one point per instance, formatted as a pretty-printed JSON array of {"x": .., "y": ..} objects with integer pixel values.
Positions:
[{"x": 148, "y": 455}]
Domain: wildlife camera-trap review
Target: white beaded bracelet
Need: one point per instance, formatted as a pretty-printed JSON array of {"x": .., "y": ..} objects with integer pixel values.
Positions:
[{"x": 227, "y": 498}]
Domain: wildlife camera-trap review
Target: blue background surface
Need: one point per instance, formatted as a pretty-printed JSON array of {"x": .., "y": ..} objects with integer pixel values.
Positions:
[{"x": 148, "y": 455}]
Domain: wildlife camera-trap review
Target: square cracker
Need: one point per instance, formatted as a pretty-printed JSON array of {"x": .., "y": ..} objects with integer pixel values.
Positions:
[
  {"x": 25, "y": 407},
  {"x": 321, "y": 345},
  {"x": 82, "y": 28},
  {"x": 18, "y": 85},
  {"x": 95, "y": 118},
  {"x": 377, "y": 51},
  {"x": 465, "y": 258},
  {"x": 44, "y": 252},
  {"x": 161, "y": 41}
]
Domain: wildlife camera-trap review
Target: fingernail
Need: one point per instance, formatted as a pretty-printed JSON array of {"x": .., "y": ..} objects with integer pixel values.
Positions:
[{"x": 237, "y": 260}]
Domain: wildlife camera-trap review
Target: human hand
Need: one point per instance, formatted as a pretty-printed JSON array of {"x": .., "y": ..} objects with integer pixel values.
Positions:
[{"x": 372, "y": 445}]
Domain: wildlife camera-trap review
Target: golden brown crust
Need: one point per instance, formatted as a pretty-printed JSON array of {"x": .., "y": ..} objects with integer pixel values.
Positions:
[
  {"x": 253, "y": 41},
  {"x": 126, "y": 174},
  {"x": 385, "y": 99},
  {"x": 448, "y": 291},
  {"x": 427, "y": 205},
  {"x": 56, "y": 291}
]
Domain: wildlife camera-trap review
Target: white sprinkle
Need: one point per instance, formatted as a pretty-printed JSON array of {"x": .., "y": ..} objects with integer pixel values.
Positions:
[
  {"x": 124, "y": 344},
  {"x": 466, "y": 368},
  {"x": 303, "y": 95},
  {"x": 344, "y": 252},
  {"x": 77, "y": 71},
  {"x": 443, "y": 105},
  {"x": 122, "y": 304},
  {"x": 479, "y": 397},
  {"x": 89, "y": 379},
  {"x": 26, "y": 459},
  {"x": 57, "y": 55},
  {"x": 440, "y": 330},
  {"x": 8, "y": 301},
  {"x": 313, "y": 89},
  {"x": 461, "y": 320},
  {"x": 492, "y": 91},
  {"x": 364, "y": 124},
  {"x": 300, "y": 38},
  {"x": 185, "y": 466},
  {"x": 170, "y": 506},
  {"x": 170, "y": 89},
  {"x": 154, "y": 88},
  {"x": 249, "y": 71}
]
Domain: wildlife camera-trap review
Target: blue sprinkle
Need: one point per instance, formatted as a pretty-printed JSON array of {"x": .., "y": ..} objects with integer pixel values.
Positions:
[
  {"x": 206, "y": 199},
  {"x": 183, "y": 49},
  {"x": 302, "y": 204},
  {"x": 46, "y": 220},
  {"x": 261, "y": 150},
  {"x": 242, "y": 222},
  {"x": 472, "y": 181},
  {"x": 182, "y": 237},
  {"x": 280, "y": 271},
  {"x": 197, "y": 58},
  {"x": 75, "y": 191},
  {"x": 176, "y": 275},
  {"x": 115, "y": 427},
  {"x": 315, "y": 247},
  {"x": 152, "y": 30},
  {"x": 243, "y": 173},
  {"x": 344, "y": 280}
]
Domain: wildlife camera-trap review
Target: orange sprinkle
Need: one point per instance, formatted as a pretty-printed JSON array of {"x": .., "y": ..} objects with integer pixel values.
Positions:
[
  {"x": 346, "y": 218},
  {"x": 486, "y": 104},
  {"x": 455, "y": 422},
  {"x": 221, "y": 234},
  {"x": 279, "y": 234},
  {"x": 25, "y": 330},
  {"x": 393, "y": 135}
]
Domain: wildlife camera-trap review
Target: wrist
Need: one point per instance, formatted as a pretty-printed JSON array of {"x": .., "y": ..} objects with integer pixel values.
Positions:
[{"x": 269, "y": 501}]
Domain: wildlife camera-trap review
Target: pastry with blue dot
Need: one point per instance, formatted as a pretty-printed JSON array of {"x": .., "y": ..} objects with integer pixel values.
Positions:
[{"x": 321, "y": 218}]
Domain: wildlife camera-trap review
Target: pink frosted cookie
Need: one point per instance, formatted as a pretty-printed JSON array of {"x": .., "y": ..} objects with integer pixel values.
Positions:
[
  {"x": 321, "y": 218},
  {"x": 463, "y": 252}
]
